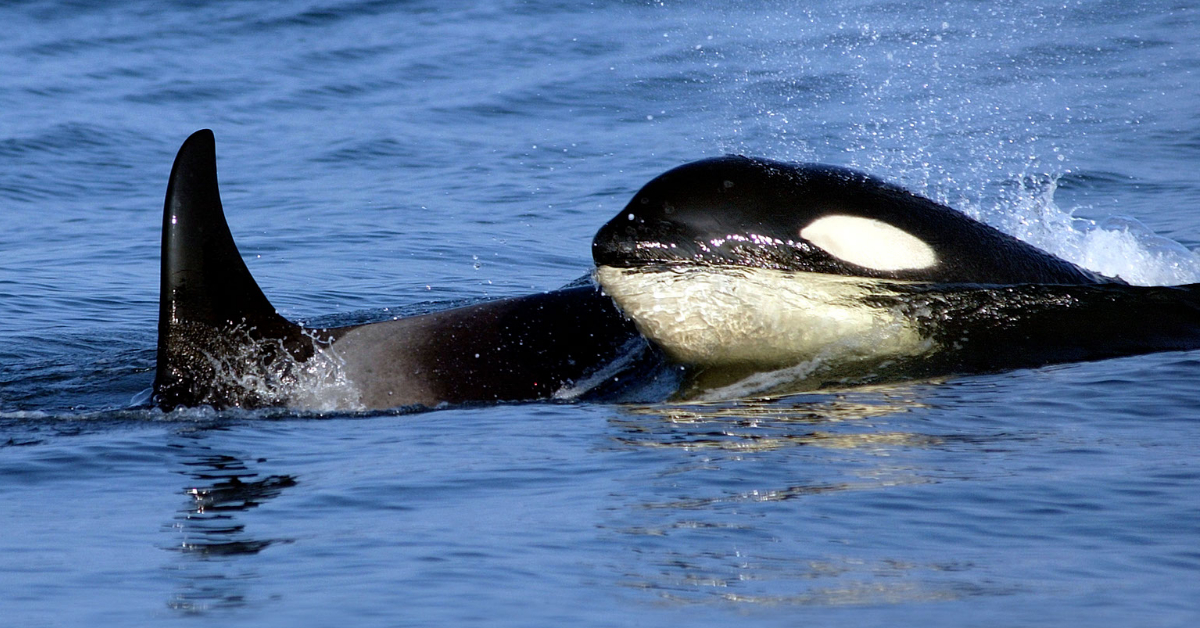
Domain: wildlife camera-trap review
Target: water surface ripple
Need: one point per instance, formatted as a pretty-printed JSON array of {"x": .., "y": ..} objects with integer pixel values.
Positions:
[{"x": 384, "y": 158}]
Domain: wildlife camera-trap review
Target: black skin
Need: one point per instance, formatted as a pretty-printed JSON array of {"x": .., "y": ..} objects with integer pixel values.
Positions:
[
  {"x": 995, "y": 328},
  {"x": 749, "y": 212}
]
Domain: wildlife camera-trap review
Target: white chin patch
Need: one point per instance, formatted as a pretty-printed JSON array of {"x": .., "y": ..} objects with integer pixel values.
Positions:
[
  {"x": 713, "y": 316},
  {"x": 869, "y": 243}
]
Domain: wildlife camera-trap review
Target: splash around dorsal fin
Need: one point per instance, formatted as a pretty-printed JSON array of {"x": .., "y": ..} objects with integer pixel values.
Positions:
[{"x": 216, "y": 328}]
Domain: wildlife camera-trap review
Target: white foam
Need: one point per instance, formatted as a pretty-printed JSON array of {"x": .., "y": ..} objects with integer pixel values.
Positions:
[
  {"x": 321, "y": 384},
  {"x": 317, "y": 384}
]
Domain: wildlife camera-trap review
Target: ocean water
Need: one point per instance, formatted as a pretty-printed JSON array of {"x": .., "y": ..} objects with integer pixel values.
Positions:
[{"x": 387, "y": 157}]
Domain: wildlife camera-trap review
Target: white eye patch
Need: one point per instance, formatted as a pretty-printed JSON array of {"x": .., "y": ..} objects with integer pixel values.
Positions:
[{"x": 869, "y": 243}]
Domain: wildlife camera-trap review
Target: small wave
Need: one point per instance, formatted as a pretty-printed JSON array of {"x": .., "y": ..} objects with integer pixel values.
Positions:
[
  {"x": 321, "y": 385},
  {"x": 263, "y": 372},
  {"x": 1118, "y": 246}
]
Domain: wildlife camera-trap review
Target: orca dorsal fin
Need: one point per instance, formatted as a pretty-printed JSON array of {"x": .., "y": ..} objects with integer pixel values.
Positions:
[
  {"x": 214, "y": 321},
  {"x": 204, "y": 279}
]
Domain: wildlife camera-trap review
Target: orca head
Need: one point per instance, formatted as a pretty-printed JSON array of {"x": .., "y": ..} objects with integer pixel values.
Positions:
[
  {"x": 737, "y": 263},
  {"x": 755, "y": 213},
  {"x": 748, "y": 262}
]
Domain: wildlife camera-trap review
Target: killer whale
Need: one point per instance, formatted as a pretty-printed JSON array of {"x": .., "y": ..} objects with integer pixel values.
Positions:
[
  {"x": 222, "y": 344},
  {"x": 715, "y": 270},
  {"x": 734, "y": 265}
]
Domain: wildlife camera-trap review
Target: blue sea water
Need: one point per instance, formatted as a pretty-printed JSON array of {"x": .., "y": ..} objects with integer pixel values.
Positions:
[{"x": 378, "y": 157}]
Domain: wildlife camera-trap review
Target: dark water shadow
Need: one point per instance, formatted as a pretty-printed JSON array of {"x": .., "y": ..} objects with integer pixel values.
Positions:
[{"x": 209, "y": 530}]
